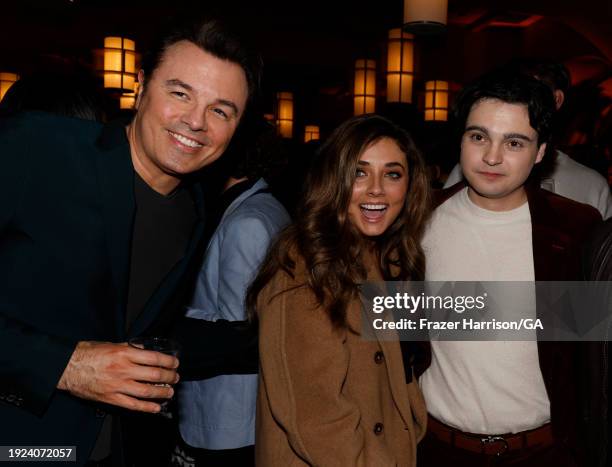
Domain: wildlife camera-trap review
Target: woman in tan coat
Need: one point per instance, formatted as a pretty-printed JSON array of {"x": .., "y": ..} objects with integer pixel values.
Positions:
[{"x": 327, "y": 396}]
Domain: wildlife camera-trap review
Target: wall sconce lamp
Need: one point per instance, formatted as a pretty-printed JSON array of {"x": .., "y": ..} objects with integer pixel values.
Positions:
[
  {"x": 400, "y": 66},
  {"x": 311, "y": 133},
  {"x": 365, "y": 86},
  {"x": 436, "y": 101},
  {"x": 284, "y": 113},
  {"x": 119, "y": 63}
]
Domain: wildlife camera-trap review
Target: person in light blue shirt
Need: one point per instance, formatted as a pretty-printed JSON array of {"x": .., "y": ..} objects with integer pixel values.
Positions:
[{"x": 217, "y": 415}]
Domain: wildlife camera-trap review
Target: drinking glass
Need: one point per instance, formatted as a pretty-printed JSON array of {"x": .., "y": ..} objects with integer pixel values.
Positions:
[{"x": 163, "y": 345}]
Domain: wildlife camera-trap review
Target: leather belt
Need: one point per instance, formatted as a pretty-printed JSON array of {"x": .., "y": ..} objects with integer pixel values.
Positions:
[{"x": 492, "y": 445}]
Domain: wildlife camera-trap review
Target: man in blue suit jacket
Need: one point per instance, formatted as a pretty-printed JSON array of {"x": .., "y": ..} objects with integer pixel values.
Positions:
[{"x": 99, "y": 229}]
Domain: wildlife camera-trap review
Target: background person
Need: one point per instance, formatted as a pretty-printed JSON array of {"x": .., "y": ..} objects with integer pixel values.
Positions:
[
  {"x": 217, "y": 415},
  {"x": 70, "y": 94}
]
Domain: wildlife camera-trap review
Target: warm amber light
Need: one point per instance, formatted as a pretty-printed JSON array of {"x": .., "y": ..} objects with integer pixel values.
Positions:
[
  {"x": 400, "y": 66},
  {"x": 129, "y": 50},
  {"x": 365, "y": 86},
  {"x": 425, "y": 15},
  {"x": 129, "y": 44},
  {"x": 440, "y": 115},
  {"x": 127, "y": 100},
  {"x": 284, "y": 121},
  {"x": 6, "y": 81},
  {"x": 311, "y": 133},
  {"x": 112, "y": 54},
  {"x": 436, "y": 101},
  {"x": 119, "y": 63}
]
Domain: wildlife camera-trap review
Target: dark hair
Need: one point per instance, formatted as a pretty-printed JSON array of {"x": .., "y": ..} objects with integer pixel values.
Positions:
[
  {"x": 255, "y": 153},
  {"x": 212, "y": 36},
  {"x": 514, "y": 88},
  {"x": 323, "y": 234},
  {"x": 553, "y": 74},
  {"x": 67, "y": 94}
]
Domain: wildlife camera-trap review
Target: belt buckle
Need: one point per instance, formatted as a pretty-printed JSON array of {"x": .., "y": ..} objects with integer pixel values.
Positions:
[{"x": 494, "y": 439}]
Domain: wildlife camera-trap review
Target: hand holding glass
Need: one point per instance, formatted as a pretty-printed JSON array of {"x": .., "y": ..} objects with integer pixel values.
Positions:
[{"x": 162, "y": 345}]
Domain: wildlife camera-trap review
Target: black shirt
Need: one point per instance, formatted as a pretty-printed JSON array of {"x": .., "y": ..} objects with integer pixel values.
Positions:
[{"x": 162, "y": 228}]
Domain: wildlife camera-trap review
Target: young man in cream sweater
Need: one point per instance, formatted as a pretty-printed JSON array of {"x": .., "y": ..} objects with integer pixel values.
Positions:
[{"x": 508, "y": 403}]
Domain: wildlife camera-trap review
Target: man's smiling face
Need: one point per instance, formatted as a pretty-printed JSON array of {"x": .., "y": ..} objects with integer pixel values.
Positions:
[{"x": 187, "y": 114}]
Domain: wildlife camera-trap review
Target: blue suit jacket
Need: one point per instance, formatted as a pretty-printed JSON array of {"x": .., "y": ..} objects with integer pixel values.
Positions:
[
  {"x": 219, "y": 413},
  {"x": 66, "y": 214}
]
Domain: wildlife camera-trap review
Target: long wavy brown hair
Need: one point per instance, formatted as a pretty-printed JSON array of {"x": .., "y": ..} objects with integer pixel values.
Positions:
[{"x": 323, "y": 234}]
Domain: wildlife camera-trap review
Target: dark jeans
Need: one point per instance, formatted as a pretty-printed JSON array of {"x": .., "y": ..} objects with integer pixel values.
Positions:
[
  {"x": 241, "y": 457},
  {"x": 148, "y": 439},
  {"x": 434, "y": 453}
]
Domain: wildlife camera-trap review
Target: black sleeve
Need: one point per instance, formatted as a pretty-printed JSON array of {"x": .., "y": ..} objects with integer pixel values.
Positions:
[
  {"x": 31, "y": 361},
  {"x": 32, "y": 364},
  {"x": 212, "y": 348},
  {"x": 597, "y": 254}
]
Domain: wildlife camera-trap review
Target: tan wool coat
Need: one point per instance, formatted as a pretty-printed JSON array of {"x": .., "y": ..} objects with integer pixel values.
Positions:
[{"x": 329, "y": 398}]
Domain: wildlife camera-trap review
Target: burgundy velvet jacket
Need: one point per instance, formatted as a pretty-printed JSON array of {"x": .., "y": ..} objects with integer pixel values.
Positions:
[{"x": 559, "y": 228}]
